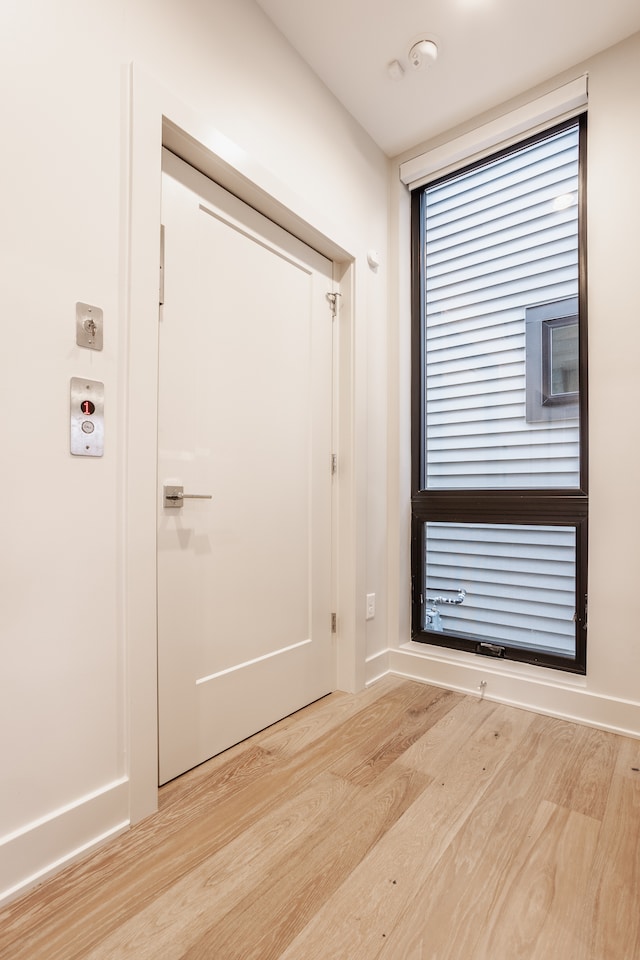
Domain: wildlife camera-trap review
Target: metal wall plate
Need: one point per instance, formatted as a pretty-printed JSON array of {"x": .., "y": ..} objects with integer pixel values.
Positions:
[
  {"x": 87, "y": 417},
  {"x": 172, "y": 496},
  {"x": 89, "y": 324}
]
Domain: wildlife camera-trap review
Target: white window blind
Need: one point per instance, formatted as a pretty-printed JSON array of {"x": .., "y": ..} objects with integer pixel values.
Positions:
[{"x": 560, "y": 104}]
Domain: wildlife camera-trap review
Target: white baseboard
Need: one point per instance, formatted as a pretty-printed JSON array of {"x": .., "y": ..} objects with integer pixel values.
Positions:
[
  {"x": 377, "y": 667},
  {"x": 542, "y": 691},
  {"x": 41, "y": 848}
]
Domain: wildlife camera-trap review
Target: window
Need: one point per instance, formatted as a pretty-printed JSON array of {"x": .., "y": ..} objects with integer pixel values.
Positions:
[
  {"x": 499, "y": 499},
  {"x": 552, "y": 360}
]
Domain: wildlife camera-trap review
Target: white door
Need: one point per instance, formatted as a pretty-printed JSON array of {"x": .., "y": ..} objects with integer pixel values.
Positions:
[{"x": 244, "y": 608}]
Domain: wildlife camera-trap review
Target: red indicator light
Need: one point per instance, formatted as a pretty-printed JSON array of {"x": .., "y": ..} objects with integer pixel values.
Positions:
[{"x": 87, "y": 407}]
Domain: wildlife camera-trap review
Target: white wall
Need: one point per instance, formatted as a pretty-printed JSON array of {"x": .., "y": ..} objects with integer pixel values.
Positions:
[
  {"x": 67, "y": 694},
  {"x": 609, "y": 695}
]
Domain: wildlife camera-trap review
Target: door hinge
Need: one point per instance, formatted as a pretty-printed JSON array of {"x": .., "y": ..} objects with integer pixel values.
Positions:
[
  {"x": 161, "y": 277},
  {"x": 334, "y": 464},
  {"x": 334, "y": 623},
  {"x": 333, "y": 300}
]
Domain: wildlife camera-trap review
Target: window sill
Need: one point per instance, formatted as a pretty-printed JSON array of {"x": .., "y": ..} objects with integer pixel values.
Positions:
[{"x": 503, "y": 668}]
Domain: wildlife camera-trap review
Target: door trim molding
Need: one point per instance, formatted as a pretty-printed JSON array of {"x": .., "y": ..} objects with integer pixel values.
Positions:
[{"x": 156, "y": 118}]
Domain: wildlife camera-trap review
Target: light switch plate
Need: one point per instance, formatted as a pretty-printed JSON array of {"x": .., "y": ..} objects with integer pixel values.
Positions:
[
  {"x": 89, "y": 326},
  {"x": 371, "y": 606}
]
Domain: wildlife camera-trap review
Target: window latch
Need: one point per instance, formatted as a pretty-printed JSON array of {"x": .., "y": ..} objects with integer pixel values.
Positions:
[{"x": 490, "y": 650}]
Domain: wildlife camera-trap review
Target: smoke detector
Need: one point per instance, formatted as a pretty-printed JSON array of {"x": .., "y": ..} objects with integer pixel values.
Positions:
[{"x": 423, "y": 52}]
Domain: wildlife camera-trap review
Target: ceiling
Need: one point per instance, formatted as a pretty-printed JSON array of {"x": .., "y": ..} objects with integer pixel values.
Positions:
[{"x": 488, "y": 52}]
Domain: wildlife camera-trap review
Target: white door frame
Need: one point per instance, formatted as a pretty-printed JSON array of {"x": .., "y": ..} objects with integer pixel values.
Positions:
[{"x": 158, "y": 119}]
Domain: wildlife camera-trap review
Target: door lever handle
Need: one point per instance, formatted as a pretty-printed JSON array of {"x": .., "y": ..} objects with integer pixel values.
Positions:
[{"x": 173, "y": 495}]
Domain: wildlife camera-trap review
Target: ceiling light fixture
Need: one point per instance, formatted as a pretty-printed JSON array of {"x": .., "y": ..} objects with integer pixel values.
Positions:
[{"x": 423, "y": 52}]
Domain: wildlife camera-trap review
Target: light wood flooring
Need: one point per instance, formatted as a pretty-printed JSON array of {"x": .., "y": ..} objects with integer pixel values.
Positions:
[{"x": 403, "y": 823}]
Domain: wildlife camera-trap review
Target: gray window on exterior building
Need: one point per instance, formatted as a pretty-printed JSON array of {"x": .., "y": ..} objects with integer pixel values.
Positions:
[
  {"x": 499, "y": 498},
  {"x": 552, "y": 361}
]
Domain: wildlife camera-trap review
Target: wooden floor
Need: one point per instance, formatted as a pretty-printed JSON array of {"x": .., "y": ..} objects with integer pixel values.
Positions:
[{"x": 403, "y": 823}]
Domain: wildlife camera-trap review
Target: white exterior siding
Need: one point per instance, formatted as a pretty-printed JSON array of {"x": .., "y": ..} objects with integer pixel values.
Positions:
[
  {"x": 483, "y": 272},
  {"x": 499, "y": 239},
  {"x": 520, "y": 582}
]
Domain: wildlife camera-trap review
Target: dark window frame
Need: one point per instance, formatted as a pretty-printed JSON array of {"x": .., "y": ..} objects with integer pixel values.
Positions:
[{"x": 568, "y": 507}]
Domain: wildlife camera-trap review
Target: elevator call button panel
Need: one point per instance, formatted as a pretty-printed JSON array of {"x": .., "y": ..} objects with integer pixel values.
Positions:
[{"x": 87, "y": 417}]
